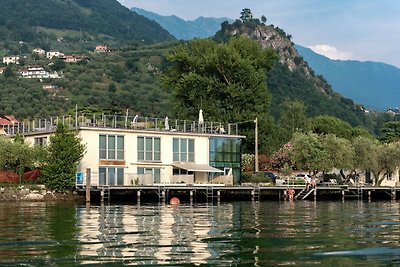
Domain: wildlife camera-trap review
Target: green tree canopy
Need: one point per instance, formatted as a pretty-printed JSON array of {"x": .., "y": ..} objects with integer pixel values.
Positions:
[
  {"x": 17, "y": 156},
  {"x": 64, "y": 153},
  {"x": 309, "y": 153},
  {"x": 326, "y": 124},
  {"x": 227, "y": 81},
  {"x": 391, "y": 131}
]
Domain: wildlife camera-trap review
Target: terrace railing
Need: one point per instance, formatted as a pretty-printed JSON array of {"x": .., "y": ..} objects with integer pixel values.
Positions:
[{"x": 120, "y": 122}]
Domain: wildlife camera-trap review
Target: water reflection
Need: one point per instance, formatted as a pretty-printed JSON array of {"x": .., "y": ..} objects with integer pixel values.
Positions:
[
  {"x": 239, "y": 233},
  {"x": 152, "y": 234}
]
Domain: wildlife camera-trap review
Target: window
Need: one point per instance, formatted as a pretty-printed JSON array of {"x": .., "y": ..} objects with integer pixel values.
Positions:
[
  {"x": 111, "y": 176},
  {"x": 149, "y": 148},
  {"x": 111, "y": 147},
  {"x": 40, "y": 141},
  {"x": 225, "y": 154},
  {"x": 183, "y": 149},
  {"x": 154, "y": 172}
]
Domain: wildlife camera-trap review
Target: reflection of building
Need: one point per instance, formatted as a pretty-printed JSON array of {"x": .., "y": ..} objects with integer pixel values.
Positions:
[
  {"x": 151, "y": 234},
  {"x": 146, "y": 152}
]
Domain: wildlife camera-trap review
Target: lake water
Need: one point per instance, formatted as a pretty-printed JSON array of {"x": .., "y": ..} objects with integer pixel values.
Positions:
[{"x": 303, "y": 233}]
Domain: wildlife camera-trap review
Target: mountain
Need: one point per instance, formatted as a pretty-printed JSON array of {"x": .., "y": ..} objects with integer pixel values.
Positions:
[
  {"x": 185, "y": 29},
  {"x": 373, "y": 84},
  {"x": 292, "y": 78},
  {"x": 65, "y": 22}
]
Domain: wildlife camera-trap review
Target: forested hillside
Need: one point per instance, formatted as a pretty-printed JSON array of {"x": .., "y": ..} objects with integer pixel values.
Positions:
[
  {"x": 73, "y": 24},
  {"x": 110, "y": 82}
]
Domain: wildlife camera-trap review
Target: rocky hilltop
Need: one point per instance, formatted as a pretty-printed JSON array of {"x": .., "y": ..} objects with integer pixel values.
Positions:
[
  {"x": 292, "y": 78},
  {"x": 269, "y": 36}
]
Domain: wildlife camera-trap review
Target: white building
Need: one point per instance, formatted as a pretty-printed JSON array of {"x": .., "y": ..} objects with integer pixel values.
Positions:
[
  {"x": 142, "y": 154},
  {"x": 38, "y": 51},
  {"x": 11, "y": 60},
  {"x": 52, "y": 54},
  {"x": 38, "y": 72}
]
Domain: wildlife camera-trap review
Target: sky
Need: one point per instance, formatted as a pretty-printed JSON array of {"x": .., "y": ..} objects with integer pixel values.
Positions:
[{"x": 339, "y": 29}]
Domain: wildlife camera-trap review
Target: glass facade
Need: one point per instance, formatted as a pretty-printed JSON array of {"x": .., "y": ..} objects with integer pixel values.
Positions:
[
  {"x": 183, "y": 150},
  {"x": 154, "y": 172},
  {"x": 40, "y": 141},
  {"x": 149, "y": 148},
  {"x": 111, "y": 176},
  {"x": 111, "y": 147},
  {"x": 225, "y": 155}
]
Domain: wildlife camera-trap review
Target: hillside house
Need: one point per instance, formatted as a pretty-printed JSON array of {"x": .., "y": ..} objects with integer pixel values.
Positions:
[
  {"x": 104, "y": 49},
  {"x": 39, "y": 51},
  {"x": 6, "y": 120},
  {"x": 51, "y": 54},
  {"x": 393, "y": 111},
  {"x": 72, "y": 58},
  {"x": 11, "y": 60},
  {"x": 8, "y": 124},
  {"x": 153, "y": 152},
  {"x": 2, "y": 70},
  {"x": 39, "y": 72}
]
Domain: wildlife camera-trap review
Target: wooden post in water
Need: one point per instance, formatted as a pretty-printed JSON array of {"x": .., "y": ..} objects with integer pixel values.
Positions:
[
  {"x": 191, "y": 197},
  {"x": 369, "y": 196},
  {"x": 315, "y": 194},
  {"x": 138, "y": 196},
  {"x": 88, "y": 185}
]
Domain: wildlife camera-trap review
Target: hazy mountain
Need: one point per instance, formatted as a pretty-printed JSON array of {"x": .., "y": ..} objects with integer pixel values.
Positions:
[
  {"x": 185, "y": 29},
  {"x": 373, "y": 84}
]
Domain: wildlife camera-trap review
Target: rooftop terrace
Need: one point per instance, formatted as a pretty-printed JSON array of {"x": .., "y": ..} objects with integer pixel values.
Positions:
[{"x": 120, "y": 122}]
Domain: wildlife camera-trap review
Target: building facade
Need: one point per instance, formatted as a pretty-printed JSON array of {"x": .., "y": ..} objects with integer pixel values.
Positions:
[
  {"x": 11, "y": 60},
  {"x": 129, "y": 156}
]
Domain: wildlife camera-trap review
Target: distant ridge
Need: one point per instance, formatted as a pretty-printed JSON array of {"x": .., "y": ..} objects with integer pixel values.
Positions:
[
  {"x": 44, "y": 22},
  {"x": 373, "y": 84},
  {"x": 185, "y": 29}
]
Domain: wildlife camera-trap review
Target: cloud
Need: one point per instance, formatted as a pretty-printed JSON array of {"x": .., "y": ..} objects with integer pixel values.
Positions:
[{"x": 331, "y": 52}]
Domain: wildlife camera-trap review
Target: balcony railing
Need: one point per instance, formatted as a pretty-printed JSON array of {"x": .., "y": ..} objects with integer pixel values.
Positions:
[{"x": 120, "y": 122}]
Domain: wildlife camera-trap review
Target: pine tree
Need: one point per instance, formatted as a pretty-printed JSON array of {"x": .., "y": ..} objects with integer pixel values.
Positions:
[{"x": 64, "y": 153}]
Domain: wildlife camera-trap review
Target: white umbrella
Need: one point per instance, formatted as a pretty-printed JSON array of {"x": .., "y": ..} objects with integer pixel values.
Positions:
[
  {"x": 201, "y": 119},
  {"x": 166, "y": 124}
]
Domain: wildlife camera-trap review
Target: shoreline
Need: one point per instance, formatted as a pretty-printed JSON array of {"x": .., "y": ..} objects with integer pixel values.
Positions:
[{"x": 36, "y": 193}]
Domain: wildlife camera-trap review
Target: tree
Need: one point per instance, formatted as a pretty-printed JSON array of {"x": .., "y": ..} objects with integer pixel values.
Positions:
[
  {"x": 386, "y": 160},
  {"x": 365, "y": 157},
  {"x": 292, "y": 120},
  {"x": 391, "y": 131},
  {"x": 8, "y": 72},
  {"x": 17, "y": 156},
  {"x": 227, "y": 81},
  {"x": 64, "y": 153},
  {"x": 58, "y": 64},
  {"x": 246, "y": 15},
  {"x": 325, "y": 124},
  {"x": 340, "y": 151},
  {"x": 309, "y": 153},
  {"x": 263, "y": 19}
]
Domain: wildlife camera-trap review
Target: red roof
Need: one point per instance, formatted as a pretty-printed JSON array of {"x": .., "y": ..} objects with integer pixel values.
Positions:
[{"x": 8, "y": 120}]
